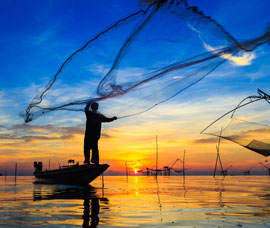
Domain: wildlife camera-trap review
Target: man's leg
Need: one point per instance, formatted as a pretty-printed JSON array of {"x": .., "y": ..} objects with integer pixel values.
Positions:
[
  {"x": 86, "y": 151},
  {"x": 95, "y": 152}
]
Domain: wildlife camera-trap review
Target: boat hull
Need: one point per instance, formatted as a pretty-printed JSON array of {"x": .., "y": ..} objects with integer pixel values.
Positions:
[{"x": 73, "y": 175}]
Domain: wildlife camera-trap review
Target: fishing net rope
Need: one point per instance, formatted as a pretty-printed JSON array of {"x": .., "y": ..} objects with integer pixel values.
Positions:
[
  {"x": 251, "y": 135},
  {"x": 141, "y": 61}
]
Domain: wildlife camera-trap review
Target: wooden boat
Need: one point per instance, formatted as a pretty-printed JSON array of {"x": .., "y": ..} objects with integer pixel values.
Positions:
[{"x": 70, "y": 174}]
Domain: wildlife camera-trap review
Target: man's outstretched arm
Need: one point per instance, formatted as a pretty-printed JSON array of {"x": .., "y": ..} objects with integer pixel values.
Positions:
[{"x": 106, "y": 119}]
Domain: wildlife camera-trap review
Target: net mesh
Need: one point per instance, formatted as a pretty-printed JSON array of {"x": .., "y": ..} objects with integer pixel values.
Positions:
[
  {"x": 251, "y": 135},
  {"x": 141, "y": 61}
]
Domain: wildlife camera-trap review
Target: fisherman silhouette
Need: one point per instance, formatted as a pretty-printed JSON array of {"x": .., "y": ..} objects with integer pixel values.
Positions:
[{"x": 92, "y": 132}]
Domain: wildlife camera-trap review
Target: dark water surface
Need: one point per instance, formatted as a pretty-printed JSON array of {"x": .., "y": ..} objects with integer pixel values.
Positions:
[{"x": 199, "y": 201}]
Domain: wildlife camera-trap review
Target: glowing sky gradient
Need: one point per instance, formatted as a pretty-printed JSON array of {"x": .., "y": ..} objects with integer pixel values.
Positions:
[{"x": 37, "y": 36}]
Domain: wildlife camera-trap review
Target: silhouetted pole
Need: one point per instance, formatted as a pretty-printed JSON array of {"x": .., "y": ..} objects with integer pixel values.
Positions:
[
  {"x": 184, "y": 163},
  {"x": 15, "y": 172},
  {"x": 126, "y": 170},
  {"x": 156, "y": 154},
  {"x": 218, "y": 156},
  {"x": 5, "y": 175},
  {"x": 102, "y": 180},
  {"x": 221, "y": 165},
  {"x": 49, "y": 164},
  {"x": 216, "y": 162},
  {"x": 263, "y": 165}
]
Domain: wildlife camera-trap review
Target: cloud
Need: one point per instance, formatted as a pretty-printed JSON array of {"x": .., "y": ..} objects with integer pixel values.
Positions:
[
  {"x": 49, "y": 128},
  {"x": 30, "y": 133},
  {"x": 258, "y": 131},
  {"x": 242, "y": 60},
  {"x": 43, "y": 37},
  {"x": 105, "y": 135},
  {"x": 178, "y": 77},
  {"x": 206, "y": 141},
  {"x": 30, "y": 138}
]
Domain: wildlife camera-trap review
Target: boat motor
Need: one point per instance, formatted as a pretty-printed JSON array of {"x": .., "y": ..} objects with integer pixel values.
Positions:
[{"x": 38, "y": 165}]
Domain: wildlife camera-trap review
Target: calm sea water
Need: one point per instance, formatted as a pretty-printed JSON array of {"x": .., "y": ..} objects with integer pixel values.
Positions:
[{"x": 140, "y": 201}]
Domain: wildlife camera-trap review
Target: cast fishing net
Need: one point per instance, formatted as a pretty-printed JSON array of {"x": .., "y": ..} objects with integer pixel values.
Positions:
[
  {"x": 141, "y": 61},
  {"x": 251, "y": 135}
]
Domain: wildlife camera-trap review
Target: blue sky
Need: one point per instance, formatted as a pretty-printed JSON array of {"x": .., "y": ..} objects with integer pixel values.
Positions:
[{"x": 37, "y": 36}]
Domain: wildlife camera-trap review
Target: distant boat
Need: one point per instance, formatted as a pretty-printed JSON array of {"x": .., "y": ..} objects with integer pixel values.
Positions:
[{"x": 71, "y": 174}]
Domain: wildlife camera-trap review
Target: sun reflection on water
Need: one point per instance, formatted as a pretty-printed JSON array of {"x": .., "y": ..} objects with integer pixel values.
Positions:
[{"x": 143, "y": 201}]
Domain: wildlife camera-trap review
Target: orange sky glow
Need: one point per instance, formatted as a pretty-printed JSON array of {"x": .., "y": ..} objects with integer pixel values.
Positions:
[{"x": 122, "y": 142}]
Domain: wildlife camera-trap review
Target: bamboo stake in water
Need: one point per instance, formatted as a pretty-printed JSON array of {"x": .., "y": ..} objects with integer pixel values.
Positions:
[
  {"x": 156, "y": 155},
  {"x": 102, "y": 181},
  {"x": 184, "y": 163},
  {"x": 126, "y": 170},
  {"x": 218, "y": 159},
  {"x": 15, "y": 172}
]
